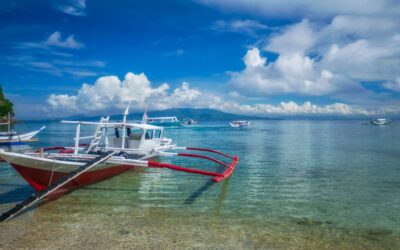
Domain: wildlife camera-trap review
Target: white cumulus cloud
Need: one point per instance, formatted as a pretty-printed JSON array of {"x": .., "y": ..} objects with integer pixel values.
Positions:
[
  {"x": 394, "y": 86},
  {"x": 111, "y": 93},
  {"x": 315, "y": 59},
  {"x": 292, "y": 108},
  {"x": 289, "y": 74},
  {"x": 298, "y": 38}
]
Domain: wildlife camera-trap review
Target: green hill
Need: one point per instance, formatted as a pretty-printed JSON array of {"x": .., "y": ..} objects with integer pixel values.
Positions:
[
  {"x": 201, "y": 114},
  {"x": 181, "y": 114}
]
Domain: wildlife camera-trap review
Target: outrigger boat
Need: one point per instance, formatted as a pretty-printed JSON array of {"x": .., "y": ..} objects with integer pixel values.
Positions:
[
  {"x": 381, "y": 121},
  {"x": 239, "y": 124},
  {"x": 115, "y": 147},
  {"x": 12, "y": 137},
  {"x": 190, "y": 122},
  {"x": 167, "y": 121}
]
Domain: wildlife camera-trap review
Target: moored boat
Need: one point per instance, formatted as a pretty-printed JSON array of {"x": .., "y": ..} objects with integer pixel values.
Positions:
[
  {"x": 166, "y": 121},
  {"x": 380, "y": 121},
  {"x": 190, "y": 122},
  {"x": 133, "y": 145},
  {"x": 11, "y": 137},
  {"x": 239, "y": 124}
]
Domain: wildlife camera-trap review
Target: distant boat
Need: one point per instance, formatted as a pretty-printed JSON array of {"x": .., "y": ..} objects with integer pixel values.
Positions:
[
  {"x": 166, "y": 121},
  {"x": 239, "y": 124},
  {"x": 381, "y": 121},
  {"x": 13, "y": 137},
  {"x": 190, "y": 122}
]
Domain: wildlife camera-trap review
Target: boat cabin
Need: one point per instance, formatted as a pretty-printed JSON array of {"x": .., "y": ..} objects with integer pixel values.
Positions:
[
  {"x": 137, "y": 136},
  {"x": 132, "y": 138}
]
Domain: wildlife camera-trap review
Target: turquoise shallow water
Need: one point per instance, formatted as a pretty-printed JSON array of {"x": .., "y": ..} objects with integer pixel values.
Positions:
[{"x": 299, "y": 184}]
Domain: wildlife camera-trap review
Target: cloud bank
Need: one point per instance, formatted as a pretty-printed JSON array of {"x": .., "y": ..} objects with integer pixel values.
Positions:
[
  {"x": 325, "y": 60},
  {"x": 111, "y": 94},
  {"x": 305, "y": 8}
]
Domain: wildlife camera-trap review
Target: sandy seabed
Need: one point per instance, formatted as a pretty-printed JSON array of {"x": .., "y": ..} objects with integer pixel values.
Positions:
[{"x": 156, "y": 228}]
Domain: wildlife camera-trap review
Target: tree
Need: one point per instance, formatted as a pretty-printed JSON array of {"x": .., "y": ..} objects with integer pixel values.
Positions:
[{"x": 6, "y": 106}]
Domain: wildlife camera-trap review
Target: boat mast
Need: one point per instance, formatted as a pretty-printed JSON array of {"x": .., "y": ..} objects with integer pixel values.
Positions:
[
  {"x": 77, "y": 134},
  {"x": 124, "y": 125},
  {"x": 144, "y": 118}
]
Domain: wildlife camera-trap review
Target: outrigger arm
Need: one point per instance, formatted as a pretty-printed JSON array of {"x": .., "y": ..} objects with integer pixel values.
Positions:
[{"x": 229, "y": 168}]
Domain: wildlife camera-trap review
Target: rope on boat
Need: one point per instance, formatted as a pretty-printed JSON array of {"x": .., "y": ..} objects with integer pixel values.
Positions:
[
  {"x": 35, "y": 198},
  {"x": 52, "y": 172}
]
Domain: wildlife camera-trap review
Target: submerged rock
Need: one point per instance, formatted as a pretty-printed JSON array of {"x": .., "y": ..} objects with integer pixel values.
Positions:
[
  {"x": 379, "y": 232},
  {"x": 123, "y": 232},
  {"x": 308, "y": 222}
]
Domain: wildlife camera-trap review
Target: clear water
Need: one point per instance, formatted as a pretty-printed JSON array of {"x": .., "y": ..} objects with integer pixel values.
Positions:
[{"x": 299, "y": 184}]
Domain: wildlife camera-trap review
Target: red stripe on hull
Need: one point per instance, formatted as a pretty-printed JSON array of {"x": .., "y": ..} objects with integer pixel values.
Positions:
[{"x": 40, "y": 179}]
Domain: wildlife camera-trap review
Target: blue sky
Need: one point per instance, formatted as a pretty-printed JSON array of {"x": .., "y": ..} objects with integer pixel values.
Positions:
[{"x": 271, "y": 58}]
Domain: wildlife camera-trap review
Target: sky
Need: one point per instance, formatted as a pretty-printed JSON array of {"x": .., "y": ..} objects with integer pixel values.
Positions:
[{"x": 274, "y": 58}]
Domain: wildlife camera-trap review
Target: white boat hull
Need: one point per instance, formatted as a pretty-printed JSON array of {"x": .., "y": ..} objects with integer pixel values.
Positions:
[
  {"x": 19, "y": 137},
  {"x": 41, "y": 172},
  {"x": 380, "y": 122},
  {"x": 239, "y": 124}
]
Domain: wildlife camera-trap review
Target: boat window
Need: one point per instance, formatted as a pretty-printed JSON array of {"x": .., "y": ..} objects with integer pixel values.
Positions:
[
  {"x": 149, "y": 134},
  {"x": 135, "y": 135},
  {"x": 157, "y": 133},
  {"x": 128, "y": 131},
  {"x": 116, "y": 131}
]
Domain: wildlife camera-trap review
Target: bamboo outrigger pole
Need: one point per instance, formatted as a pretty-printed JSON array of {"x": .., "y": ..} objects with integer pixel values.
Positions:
[{"x": 35, "y": 198}]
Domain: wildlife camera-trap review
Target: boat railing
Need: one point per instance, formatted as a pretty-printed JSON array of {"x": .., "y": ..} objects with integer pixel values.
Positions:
[{"x": 85, "y": 137}]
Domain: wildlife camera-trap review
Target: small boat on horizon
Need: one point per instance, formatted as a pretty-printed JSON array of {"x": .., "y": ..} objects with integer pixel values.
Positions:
[
  {"x": 11, "y": 137},
  {"x": 190, "y": 122},
  {"x": 239, "y": 124},
  {"x": 165, "y": 121},
  {"x": 380, "y": 121}
]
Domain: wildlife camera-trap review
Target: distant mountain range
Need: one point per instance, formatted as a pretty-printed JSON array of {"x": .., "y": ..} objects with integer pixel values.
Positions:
[
  {"x": 181, "y": 114},
  {"x": 202, "y": 114}
]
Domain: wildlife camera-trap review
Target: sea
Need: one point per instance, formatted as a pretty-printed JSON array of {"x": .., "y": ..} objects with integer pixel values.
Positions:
[{"x": 299, "y": 184}]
